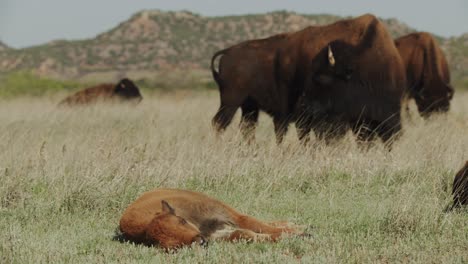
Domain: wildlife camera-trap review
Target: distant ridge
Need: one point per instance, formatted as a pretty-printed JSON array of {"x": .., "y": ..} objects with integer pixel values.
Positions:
[
  {"x": 3, "y": 46},
  {"x": 154, "y": 40}
]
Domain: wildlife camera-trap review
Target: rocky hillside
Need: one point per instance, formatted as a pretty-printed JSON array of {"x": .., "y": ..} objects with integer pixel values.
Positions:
[
  {"x": 164, "y": 41},
  {"x": 3, "y": 46}
]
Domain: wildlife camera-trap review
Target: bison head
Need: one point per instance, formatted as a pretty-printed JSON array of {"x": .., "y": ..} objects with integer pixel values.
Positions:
[
  {"x": 170, "y": 231},
  {"x": 335, "y": 62},
  {"x": 431, "y": 100},
  {"x": 127, "y": 90}
]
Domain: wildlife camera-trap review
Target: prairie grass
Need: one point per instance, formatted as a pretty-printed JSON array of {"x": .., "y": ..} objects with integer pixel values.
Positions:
[{"x": 68, "y": 174}]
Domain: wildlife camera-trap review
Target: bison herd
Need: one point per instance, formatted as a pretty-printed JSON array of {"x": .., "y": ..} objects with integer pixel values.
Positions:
[
  {"x": 329, "y": 79},
  {"x": 347, "y": 76}
]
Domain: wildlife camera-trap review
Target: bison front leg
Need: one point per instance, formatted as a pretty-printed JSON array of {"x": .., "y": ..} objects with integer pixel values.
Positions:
[
  {"x": 303, "y": 127},
  {"x": 281, "y": 128},
  {"x": 390, "y": 131},
  {"x": 365, "y": 131}
]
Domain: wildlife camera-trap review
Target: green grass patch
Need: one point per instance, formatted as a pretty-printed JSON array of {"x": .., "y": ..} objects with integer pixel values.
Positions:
[
  {"x": 27, "y": 84},
  {"x": 68, "y": 174}
]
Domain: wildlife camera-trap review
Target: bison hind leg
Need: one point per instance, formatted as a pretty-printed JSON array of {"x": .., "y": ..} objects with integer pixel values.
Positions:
[
  {"x": 223, "y": 117},
  {"x": 367, "y": 132},
  {"x": 303, "y": 128},
  {"x": 234, "y": 234},
  {"x": 250, "y": 111},
  {"x": 250, "y": 236},
  {"x": 389, "y": 133}
]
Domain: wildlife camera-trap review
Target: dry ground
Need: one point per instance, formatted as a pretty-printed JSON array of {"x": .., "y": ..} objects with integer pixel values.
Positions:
[{"x": 67, "y": 175}]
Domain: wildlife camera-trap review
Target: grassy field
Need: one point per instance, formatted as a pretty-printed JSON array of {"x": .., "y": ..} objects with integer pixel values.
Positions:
[{"x": 68, "y": 174}]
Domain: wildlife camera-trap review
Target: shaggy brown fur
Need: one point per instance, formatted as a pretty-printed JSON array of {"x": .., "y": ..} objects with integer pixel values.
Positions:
[
  {"x": 122, "y": 91},
  {"x": 171, "y": 218},
  {"x": 347, "y": 74},
  {"x": 460, "y": 187},
  {"x": 427, "y": 72}
]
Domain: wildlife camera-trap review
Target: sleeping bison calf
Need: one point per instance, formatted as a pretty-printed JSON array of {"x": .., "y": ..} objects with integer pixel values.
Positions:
[
  {"x": 171, "y": 218},
  {"x": 460, "y": 188},
  {"x": 125, "y": 90}
]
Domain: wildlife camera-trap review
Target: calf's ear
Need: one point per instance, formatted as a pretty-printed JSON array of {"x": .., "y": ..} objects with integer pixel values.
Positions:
[{"x": 166, "y": 208}]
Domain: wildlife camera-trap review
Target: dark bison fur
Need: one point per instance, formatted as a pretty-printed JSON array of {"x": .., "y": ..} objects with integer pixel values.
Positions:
[
  {"x": 344, "y": 75},
  {"x": 124, "y": 90},
  {"x": 460, "y": 188}
]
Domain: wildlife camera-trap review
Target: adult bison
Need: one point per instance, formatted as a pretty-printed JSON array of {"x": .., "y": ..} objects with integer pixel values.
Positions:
[
  {"x": 124, "y": 90},
  {"x": 460, "y": 188},
  {"x": 347, "y": 74},
  {"x": 427, "y": 72}
]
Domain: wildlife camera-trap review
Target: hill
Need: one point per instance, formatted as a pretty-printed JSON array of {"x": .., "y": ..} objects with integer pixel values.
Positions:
[
  {"x": 3, "y": 46},
  {"x": 165, "y": 41}
]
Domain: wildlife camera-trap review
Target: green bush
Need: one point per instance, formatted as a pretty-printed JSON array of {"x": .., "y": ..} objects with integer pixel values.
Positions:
[{"x": 28, "y": 84}]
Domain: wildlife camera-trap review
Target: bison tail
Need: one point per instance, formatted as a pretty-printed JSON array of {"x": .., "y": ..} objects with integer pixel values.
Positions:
[{"x": 214, "y": 72}]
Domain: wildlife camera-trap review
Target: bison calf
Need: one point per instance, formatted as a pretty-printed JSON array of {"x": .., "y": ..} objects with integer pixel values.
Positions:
[
  {"x": 124, "y": 90},
  {"x": 172, "y": 218}
]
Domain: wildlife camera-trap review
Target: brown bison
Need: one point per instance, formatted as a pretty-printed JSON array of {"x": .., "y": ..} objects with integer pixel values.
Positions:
[
  {"x": 427, "y": 72},
  {"x": 124, "y": 90},
  {"x": 172, "y": 218},
  {"x": 460, "y": 188},
  {"x": 344, "y": 75}
]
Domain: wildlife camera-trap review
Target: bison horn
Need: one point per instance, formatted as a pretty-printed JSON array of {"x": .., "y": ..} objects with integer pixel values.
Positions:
[{"x": 331, "y": 58}]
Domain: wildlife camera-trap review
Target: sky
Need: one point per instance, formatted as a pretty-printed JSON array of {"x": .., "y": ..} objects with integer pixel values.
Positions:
[{"x": 26, "y": 23}]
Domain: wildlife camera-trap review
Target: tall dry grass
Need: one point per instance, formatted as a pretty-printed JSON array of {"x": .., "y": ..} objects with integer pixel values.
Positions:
[{"x": 67, "y": 175}]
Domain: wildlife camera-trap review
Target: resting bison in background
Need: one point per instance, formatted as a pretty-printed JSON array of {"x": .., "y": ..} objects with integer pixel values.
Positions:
[
  {"x": 125, "y": 90},
  {"x": 343, "y": 75},
  {"x": 427, "y": 72},
  {"x": 460, "y": 188},
  {"x": 172, "y": 218}
]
